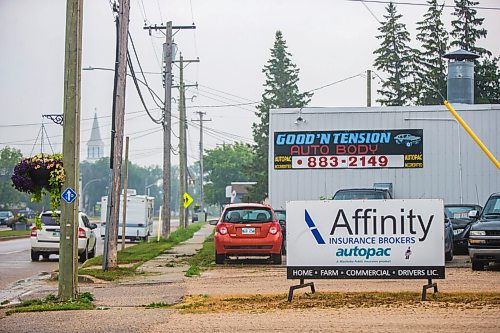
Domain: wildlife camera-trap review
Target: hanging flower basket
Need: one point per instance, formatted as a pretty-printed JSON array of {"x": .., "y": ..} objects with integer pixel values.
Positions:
[{"x": 40, "y": 175}]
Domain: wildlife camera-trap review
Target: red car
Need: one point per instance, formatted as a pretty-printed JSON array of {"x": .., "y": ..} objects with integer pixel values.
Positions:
[{"x": 248, "y": 229}]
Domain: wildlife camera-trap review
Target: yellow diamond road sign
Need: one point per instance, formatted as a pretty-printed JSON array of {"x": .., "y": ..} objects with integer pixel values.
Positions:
[{"x": 187, "y": 200}]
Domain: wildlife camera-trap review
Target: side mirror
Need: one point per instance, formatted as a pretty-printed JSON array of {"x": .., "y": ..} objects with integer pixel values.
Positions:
[
  {"x": 213, "y": 222},
  {"x": 473, "y": 214},
  {"x": 93, "y": 226}
]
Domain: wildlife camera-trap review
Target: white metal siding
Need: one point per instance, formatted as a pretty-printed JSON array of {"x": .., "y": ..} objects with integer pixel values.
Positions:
[{"x": 439, "y": 178}]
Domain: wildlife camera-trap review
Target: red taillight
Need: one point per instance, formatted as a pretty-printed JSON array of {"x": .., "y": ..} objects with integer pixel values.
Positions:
[
  {"x": 222, "y": 230},
  {"x": 33, "y": 232},
  {"x": 273, "y": 230},
  {"x": 82, "y": 233}
]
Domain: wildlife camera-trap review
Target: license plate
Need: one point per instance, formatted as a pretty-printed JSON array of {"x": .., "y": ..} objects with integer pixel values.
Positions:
[{"x": 248, "y": 231}]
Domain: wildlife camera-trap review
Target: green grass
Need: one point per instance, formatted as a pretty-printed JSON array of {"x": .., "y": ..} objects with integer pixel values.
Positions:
[
  {"x": 158, "y": 305},
  {"x": 51, "y": 303},
  {"x": 138, "y": 254},
  {"x": 12, "y": 233},
  {"x": 203, "y": 259}
]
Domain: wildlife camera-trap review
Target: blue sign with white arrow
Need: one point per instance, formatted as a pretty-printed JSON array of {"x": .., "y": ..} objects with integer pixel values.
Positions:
[{"x": 69, "y": 195}]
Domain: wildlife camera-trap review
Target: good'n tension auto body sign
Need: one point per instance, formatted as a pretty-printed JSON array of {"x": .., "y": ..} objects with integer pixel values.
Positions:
[
  {"x": 348, "y": 149},
  {"x": 365, "y": 239}
]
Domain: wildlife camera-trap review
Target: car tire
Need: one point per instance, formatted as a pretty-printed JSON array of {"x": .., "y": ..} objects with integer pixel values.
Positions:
[
  {"x": 408, "y": 144},
  {"x": 92, "y": 253},
  {"x": 477, "y": 265},
  {"x": 35, "y": 256},
  {"x": 84, "y": 255},
  {"x": 277, "y": 258},
  {"x": 448, "y": 256},
  {"x": 219, "y": 258}
]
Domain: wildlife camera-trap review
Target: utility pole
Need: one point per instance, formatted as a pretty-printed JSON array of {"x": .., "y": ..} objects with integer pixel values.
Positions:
[
  {"x": 182, "y": 146},
  {"x": 125, "y": 189},
  {"x": 68, "y": 282},
  {"x": 111, "y": 240},
  {"x": 368, "y": 88},
  {"x": 201, "y": 120},
  {"x": 168, "y": 59},
  {"x": 183, "y": 216}
]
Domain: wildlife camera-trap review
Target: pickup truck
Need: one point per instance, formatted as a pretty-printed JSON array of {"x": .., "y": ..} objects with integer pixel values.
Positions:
[{"x": 484, "y": 235}]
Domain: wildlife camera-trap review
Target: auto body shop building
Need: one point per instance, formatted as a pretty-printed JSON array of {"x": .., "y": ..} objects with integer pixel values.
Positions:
[{"x": 418, "y": 152}]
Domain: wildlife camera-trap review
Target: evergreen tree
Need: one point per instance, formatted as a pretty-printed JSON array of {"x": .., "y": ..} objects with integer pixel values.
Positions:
[
  {"x": 394, "y": 57},
  {"x": 281, "y": 91},
  {"x": 467, "y": 30},
  {"x": 430, "y": 71},
  {"x": 467, "y": 27}
]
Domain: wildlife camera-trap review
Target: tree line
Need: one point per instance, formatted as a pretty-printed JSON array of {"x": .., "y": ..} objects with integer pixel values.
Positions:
[{"x": 412, "y": 77}]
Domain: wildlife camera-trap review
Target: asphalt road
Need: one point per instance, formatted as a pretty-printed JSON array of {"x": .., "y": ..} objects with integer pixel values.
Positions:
[{"x": 16, "y": 264}]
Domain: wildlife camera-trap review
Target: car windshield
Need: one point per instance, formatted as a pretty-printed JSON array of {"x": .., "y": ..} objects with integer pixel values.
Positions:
[
  {"x": 359, "y": 195},
  {"x": 492, "y": 208},
  {"x": 48, "y": 219},
  {"x": 247, "y": 215},
  {"x": 281, "y": 215},
  {"x": 4, "y": 214},
  {"x": 458, "y": 212}
]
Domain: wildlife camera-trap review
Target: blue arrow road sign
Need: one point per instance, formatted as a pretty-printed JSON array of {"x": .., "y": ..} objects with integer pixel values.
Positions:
[{"x": 68, "y": 195}]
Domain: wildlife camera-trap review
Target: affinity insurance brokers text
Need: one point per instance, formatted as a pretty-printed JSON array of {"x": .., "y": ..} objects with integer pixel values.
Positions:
[{"x": 380, "y": 229}]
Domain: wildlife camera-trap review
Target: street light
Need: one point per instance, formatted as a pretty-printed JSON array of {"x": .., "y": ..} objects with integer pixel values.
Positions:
[
  {"x": 85, "y": 187},
  {"x": 157, "y": 183},
  {"x": 459, "y": 148}
]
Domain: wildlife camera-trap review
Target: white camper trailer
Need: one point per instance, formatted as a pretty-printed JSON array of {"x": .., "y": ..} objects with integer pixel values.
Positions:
[{"x": 139, "y": 219}]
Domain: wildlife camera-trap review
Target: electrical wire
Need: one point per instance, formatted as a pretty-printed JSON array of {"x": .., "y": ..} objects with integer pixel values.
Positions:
[
  {"x": 142, "y": 73},
  {"x": 157, "y": 121},
  {"x": 418, "y": 4}
]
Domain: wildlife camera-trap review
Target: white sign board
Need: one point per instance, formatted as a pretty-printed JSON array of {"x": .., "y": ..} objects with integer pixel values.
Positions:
[{"x": 363, "y": 239}]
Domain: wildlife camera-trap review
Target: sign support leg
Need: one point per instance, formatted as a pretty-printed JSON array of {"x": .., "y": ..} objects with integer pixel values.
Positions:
[
  {"x": 299, "y": 286},
  {"x": 429, "y": 285}
]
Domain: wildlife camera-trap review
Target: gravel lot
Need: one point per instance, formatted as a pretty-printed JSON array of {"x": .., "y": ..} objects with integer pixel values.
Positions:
[{"x": 125, "y": 312}]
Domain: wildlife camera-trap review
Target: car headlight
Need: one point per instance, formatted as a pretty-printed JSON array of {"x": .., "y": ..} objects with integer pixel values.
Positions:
[
  {"x": 478, "y": 233},
  {"x": 457, "y": 231}
]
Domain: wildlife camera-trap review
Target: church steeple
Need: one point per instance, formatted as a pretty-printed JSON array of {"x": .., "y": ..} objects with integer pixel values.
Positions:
[{"x": 95, "y": 145}]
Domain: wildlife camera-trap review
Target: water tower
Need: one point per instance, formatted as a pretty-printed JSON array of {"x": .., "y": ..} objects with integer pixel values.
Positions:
[{"x": 461, "y": 76}]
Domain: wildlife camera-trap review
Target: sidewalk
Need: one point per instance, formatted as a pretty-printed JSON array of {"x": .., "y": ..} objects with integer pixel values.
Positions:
[{"x": 122, "y": 303}]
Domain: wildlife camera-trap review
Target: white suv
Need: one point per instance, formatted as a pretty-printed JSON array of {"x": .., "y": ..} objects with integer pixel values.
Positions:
[{"x": 45, "y": 241}]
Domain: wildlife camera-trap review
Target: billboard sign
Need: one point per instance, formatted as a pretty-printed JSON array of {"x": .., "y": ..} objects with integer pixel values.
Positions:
[
  {"x": 399, "y": 148},
  {"x": 365, "y": 239}
]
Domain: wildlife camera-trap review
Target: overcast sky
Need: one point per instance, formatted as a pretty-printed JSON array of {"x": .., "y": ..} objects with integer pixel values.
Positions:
[{"x": 329, "y": 40}]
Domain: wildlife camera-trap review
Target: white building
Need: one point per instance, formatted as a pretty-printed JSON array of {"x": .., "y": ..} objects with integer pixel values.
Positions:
[
  {"x": 95, "y": 145},
  {"x": 313, "y": 152}
]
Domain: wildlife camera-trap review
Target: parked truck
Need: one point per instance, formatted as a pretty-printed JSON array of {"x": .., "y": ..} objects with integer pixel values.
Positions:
[{"x": 139, "y": 217}]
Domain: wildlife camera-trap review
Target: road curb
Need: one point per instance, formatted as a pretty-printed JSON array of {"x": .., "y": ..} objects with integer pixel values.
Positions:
[{"x": 13, "y": 237}]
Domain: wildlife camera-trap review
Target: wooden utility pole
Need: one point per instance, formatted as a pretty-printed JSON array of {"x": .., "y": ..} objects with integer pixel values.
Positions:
[
  {"x": 125, "y": 188},
  {"x": 110, "y": 258},
  {"x": 68, "y": 251},
  {"x": 368, "y": 88},
  {"x": 201, "y": 120},
  {"x": 168, "y": 59},
  {"x": 182, "y": 145},
  {"x": 183, "y": 216}
]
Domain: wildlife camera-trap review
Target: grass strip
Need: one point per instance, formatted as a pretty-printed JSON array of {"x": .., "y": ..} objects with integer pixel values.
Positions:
[
  {"x": 51, "y": 303},
  {"x": 203, "y": 259},
  {"x": 138, "y": 254},
  {"x": 272, "y": 302},
  {"x": 12, "y": 233}
]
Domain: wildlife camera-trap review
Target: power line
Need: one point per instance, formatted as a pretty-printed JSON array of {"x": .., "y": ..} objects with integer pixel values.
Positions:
[
  {"x": 419, "y": 4},
  {"x": 333, "y": 83}
]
